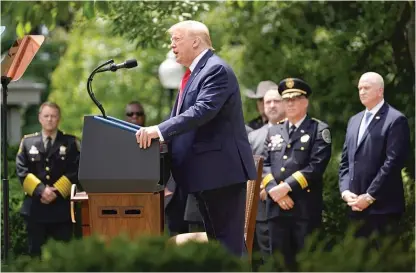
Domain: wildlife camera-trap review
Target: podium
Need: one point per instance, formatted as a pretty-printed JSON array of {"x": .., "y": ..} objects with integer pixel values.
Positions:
[{"x": 123, "y": 184}]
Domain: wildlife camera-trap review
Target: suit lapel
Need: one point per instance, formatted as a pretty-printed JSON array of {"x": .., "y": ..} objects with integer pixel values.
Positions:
[
  {"x": 175, "y": 106},
  {"x": 376, "y": 119},
  {"x": 194, "y": 73},
  {"x": 355, "y": 129}
]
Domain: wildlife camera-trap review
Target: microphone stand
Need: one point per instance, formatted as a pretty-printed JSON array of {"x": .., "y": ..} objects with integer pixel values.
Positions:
[
  {"x": 89, "y": 86},
  {"x": 5, "y": 181}
]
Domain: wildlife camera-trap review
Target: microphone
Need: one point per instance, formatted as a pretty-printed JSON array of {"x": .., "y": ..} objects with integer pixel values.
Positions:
[{"x": 114, "y": 67}]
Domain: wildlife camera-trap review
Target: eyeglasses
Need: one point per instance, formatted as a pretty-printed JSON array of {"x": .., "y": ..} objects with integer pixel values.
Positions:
[{"x": 139, "y": 114}]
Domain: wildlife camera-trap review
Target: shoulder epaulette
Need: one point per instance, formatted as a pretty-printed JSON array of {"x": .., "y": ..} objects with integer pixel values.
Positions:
[
  {"x": 318, "y": 120},
  {"x": 282, "y": 121},
  {"x": 31, "y": 135}
]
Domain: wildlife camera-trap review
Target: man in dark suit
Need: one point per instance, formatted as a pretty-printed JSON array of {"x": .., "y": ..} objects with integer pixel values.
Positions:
[
  {"x": 375, "y": 149},
  {"x": 298, "y": 150},
  {"x": 274, "y": 111},
  {"x": 47, "y": 166},
  {"x": 211, "y": 156}
]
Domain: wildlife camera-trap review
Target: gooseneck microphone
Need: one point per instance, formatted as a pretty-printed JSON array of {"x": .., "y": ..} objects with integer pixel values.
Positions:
[{"x": 114, "y": 67}]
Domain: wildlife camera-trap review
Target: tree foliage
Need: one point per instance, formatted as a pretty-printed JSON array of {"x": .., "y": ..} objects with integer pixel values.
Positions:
[
  {"x": 92, "y": 44},
  {"x": 329, "y": 44}
]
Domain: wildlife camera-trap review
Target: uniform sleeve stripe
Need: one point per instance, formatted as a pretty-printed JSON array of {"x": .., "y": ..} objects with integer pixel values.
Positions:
[
  {"x": 301, "y": 179},
  {"x": 63, "y": 185},
  {"x": 30, "y": 183},
  {"x": 266, "y": 180}
]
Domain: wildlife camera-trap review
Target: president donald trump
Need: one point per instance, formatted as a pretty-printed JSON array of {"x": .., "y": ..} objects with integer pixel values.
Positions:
[{"x": 211, "y": 155}]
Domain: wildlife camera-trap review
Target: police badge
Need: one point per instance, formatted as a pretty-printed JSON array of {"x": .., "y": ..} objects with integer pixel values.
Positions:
[
  {"x": 33, "y": 150},
  {"x": 304, "y": 138},
  {"x": 290, "y": 83},
  {"x": 62, "y": 150}
]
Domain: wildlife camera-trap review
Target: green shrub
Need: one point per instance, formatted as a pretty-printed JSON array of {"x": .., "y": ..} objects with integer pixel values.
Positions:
[
  {"x": 122, "y": 254},
  {"x": 349, "y": 254},
  {"x": 18, "y": 240}
]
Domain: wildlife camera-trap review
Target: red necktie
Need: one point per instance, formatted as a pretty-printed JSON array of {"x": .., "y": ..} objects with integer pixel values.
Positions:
[{"x": 183, "y": 83}]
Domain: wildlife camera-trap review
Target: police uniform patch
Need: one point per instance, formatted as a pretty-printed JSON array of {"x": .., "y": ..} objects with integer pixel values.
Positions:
[
  {"x": 326, "y": 135},
  {"x": 78, "y": 144}
]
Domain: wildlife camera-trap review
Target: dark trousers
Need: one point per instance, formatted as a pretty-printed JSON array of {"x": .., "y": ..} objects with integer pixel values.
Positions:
[
  {"x": 287, "y": 235},
  {"x": 175, "y": 211},
  {"x": 223, "y": 213},
  {"x": 261, "y": 241},
  {"x": 39, "y": 233},
  {"x": 380, "y": 225}
]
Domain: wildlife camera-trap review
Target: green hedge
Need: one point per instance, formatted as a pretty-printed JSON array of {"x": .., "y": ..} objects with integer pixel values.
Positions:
[
  {"x": 335, "y": 221},
  {"x": 156, "y": 254},
  {"x": 122, "y": 254}
]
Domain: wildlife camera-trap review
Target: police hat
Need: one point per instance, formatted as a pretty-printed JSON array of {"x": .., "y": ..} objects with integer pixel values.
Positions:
[
  {"x": 294, "y": 87},
  {"x": 262, "y": 89}
]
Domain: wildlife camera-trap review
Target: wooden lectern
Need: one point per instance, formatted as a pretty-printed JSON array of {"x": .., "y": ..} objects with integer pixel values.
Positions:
[{"x": 122, "y": 183}]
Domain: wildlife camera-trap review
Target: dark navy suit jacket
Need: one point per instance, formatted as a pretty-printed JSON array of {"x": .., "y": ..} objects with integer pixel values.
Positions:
[
  {"x": 208, "y": 139},
  {"x": 374, "y": 166}
]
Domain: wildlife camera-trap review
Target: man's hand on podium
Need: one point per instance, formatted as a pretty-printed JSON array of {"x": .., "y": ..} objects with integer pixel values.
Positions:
[{"x": 145, "y": 135}]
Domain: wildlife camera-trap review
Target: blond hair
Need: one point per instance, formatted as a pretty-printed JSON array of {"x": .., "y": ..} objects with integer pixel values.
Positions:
[
  {"x": 50, "y": 104},
  {"x": 194, "y": 28}
]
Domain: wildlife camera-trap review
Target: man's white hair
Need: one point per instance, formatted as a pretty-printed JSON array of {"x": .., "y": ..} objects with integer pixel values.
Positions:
[
  {"x": 373, "y": 77},
  {"x": 194, "y": 28}
]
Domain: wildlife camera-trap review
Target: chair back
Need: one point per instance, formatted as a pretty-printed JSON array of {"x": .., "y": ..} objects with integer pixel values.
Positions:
[{"x": 252, "y": 201}]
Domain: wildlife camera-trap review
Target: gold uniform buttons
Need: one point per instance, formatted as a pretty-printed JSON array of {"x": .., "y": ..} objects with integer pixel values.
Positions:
[
  {"x": 288, "y": 145},
  {"x": 302, "y": 148},
  {"x": 48, "y": 177},
  {"x": 285, "y": 157},
  {"x": 282, "y": 169},
  {"x": 47, "y": 160},
  {"x": 47, "y": 169}
]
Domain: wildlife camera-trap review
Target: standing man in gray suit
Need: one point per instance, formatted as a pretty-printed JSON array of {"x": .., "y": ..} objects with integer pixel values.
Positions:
[{"x": 274, "y": 112}]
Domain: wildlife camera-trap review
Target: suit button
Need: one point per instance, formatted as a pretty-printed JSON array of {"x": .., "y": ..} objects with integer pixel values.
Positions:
[
  {"x": 48, "y": 177},
  {"x": 285, "y": 157},
  {"x": 47, "y": 169},
  {"x": 288, "y": 145},
  {"x": 282, "y": 169},
  {"x": 47, "y": 160}
]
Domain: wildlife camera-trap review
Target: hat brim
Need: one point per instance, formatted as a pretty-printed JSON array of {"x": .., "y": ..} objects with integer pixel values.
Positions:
[
  {"x": 290, "y": 95},
  {"x": 252, "y": 95}
]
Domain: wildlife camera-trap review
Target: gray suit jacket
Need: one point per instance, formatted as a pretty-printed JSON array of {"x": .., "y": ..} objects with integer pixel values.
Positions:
[{"x": 257, "y": 139}]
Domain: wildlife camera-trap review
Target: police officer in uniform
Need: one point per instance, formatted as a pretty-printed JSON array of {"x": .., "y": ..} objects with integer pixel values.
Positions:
[
  {"x": 47, "y": 166},
  {"x": 298, "y": 150}
]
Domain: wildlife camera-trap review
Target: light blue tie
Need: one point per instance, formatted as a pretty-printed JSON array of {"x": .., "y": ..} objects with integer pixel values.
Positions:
[{"x": 363, "y": 128}]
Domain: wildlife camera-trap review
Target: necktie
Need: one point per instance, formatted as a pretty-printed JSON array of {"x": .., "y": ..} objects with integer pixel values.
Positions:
[
  {"x": 185, "y": 79},
  {"x": 48, "y": 144},
  {"x": 364, "y": 125},
  {"x": 291, "y": 130}
]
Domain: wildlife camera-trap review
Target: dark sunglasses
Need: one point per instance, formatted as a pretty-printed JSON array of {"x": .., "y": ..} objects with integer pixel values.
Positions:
[{"x": 139, "y": 114}]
